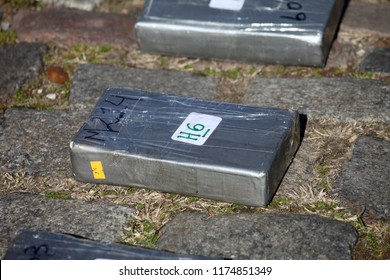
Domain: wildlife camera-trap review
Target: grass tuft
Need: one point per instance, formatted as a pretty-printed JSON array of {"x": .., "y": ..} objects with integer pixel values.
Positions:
[
  {"x": 7, "y": 37},
  {"x": 374, "y": 242},
  {"x": 58, "y": 195}
]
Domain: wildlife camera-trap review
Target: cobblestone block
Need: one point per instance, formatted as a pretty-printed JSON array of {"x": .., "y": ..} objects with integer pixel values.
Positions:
[
  {"x": 364, "y": 180},
  {"x": 377, "y": 61},
  {"x": 367, "y": 18},
  {"x": 86, "y": 89},
  {"x": 71, "y": 26},
  {"x": 20, "y": 64},
  {"x": 93, "y": 220},
  {"x": 37, "y": 142},
  {"x": 346, "y": 99},
  {"x": 251, "y": 236}
]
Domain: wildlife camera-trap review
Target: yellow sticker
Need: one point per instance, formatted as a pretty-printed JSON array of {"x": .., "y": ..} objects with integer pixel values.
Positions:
[{"x": 97, "y": 170}]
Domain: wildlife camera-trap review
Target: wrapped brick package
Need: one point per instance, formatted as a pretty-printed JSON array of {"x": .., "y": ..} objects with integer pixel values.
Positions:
[
  {"x": 45, "y": 245},
  {"x": 203, "y": 148},
  {"x": 260, "y": 31}
]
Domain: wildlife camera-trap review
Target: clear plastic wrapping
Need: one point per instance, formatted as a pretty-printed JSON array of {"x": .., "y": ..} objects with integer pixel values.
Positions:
[
  {"x": 184, "y": 145},
  {"x": 45, "y": 245}
]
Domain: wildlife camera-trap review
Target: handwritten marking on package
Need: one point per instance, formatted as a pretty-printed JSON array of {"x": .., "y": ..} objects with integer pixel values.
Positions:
[
  {"x": 234, "y": 5},
  {"x": 108, "y": 119},
  {"x": 295, "y": 6},
  {"x": 97, "y": 170},
  {"x": 196, "y": 129}
]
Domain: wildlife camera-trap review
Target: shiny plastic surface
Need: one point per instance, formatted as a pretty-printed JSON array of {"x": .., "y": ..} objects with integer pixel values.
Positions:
[
  {"x": 185, "y": 145},
  {"x": 44, "y": 245},
  {"x": 266, "y": 31}
]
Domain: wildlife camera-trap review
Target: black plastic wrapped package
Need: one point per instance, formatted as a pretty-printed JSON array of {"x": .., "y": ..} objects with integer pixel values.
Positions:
[
  {"x": 45, "y": 245},
  {"x": 260, "y": 31},
  {"x": 203, "y": 148}
]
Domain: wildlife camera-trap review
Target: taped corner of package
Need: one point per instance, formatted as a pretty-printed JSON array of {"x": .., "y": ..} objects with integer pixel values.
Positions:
[
  {"x": 202, "y": 148},
  {"x": 268, "y": 31}
]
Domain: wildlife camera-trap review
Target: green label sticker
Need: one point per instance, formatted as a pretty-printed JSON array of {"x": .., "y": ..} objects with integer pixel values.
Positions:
[{"x": 196, "y": 129}]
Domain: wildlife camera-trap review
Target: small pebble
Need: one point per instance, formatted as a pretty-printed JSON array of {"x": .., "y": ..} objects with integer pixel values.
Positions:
[
  {"x": 361, "y": 52},
  {"x": 5, "y": 26},
  {"x": 51, "y": 96},
  {"x": 57, "y": 75}
]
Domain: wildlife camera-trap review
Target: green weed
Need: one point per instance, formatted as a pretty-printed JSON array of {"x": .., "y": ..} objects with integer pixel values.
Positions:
[
  {"x": 130, "y": 190},
  {"x": 374, "y": 242},
  {"x": 108, "y": 192},
  {"x": 163, "y": 62},
  {"x": 279, "y": 202},
  {"x": 19, "y": 97},
  {"x": 211, "y": 71},
  {"x": 142, "y": 233},
  {"x": 58, "y": 195},
  {"x": 7, "y": 37},
  {"x": 22, "y": 4},
  {"x": 322, "y": 206},
  {"x": 84, "y": 53},
  {"x": 34, "y": 96},
  {"x": 140, "y": 206},
  {"x": 192, "y": 199},
  {"x": 233, "y": 73}
]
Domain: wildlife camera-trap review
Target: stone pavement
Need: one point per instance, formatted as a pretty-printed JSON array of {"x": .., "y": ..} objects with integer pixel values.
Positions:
[
  {"x": 371, "y": 190},
  {"x": 377, "y": 60},
  {"x": 71, "y": 26},
  {"x": 34, "y": 143},
  {"x": 96, "y": 221},
  {"x": 29, "y": 57},
  {"x": 251, "y": 236}
]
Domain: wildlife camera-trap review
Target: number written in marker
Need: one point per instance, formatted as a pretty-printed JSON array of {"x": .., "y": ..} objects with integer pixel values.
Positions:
[{"x": 295, "y": 6}]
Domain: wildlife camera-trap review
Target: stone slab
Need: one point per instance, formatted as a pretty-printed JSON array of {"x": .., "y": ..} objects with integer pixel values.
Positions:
[
  {"x": 251, "y": 236},
  {"x": 87, "y": 5},
  {"x": 377, "y": 61},
  {"x": 367, "y": 18},
  {"x": 364, "y": 180},
  {"x": 93, "y": 220},
  {"x": 20, "y": 64},
  {"x": 37, "y": 142},
  {"x": 347, "y": 99},
  {"x": 71, "y": 26},
  {"x": 343, "y": 55},
  {"x": 87, "y": 89}
]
